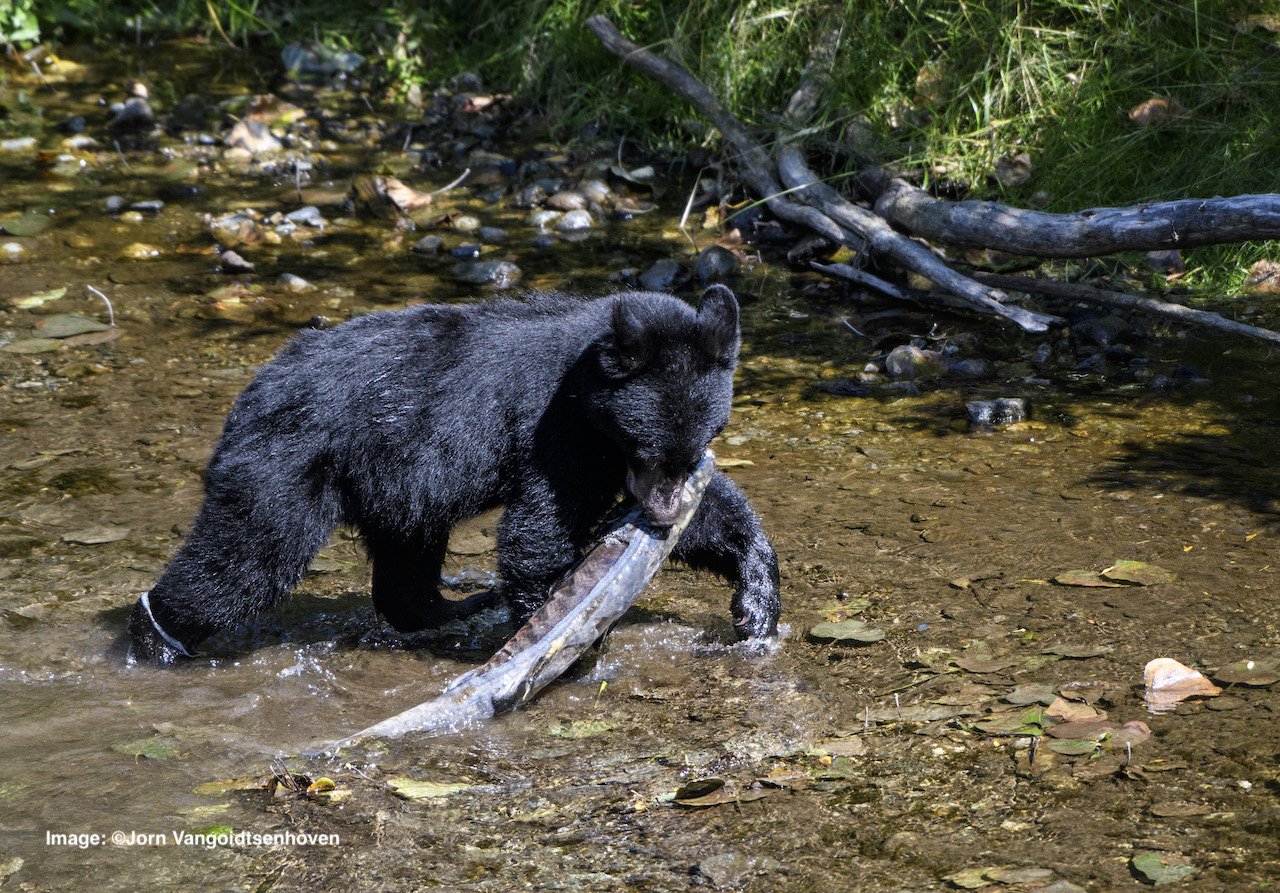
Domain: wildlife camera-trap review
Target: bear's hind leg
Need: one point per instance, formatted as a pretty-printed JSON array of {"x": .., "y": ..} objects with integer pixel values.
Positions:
[{"x": 248, "y": 548}]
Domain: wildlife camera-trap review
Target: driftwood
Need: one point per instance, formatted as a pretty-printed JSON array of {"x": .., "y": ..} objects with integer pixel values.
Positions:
[
  {"x": 580, "y": 609},
  {"x": 795, "y": 194},
  {"x": 1188, "y": 223}
]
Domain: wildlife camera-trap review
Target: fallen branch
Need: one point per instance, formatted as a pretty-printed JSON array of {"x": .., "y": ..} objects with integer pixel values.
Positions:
[
  {"x": 1187, "y": 223},
  {"x": 811, "y": 203},
  {"x": 858, "y": 229},
  {"x": 580, "y": 610},
  {"x": 1165, "y": 309},
  {"x": 909, "y": 253}
]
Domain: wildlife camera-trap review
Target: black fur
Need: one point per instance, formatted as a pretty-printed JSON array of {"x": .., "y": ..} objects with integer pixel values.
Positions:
[{"x": 404, "y": 423}]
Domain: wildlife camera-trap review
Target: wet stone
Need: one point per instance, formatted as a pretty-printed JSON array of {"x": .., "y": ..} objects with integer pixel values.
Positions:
[
  {"x": 996, "y": 413},
  {"x": 574, "y": 221},
  {"x": 664, "y": 275},
  {"x": 294, "y": 283},
  {"x": 114, "y": 204},
  {"x": 465, "y": 252},
  {"x": 596, "y": 191},
  {"x": 542, "y": 219},
  {"x": 308, "y": 215},
  {"x": 567, "y": 201},
  {"x": 230, "y": 262},
  {"x": 153, "y": 206},
  {"x": 529, "y": 197},
  {"x": 715, "y": 264},
  {"x": 12, "y": 253},
  {"x": 500, "y": 273},
  {"x": 492, "y": 235},
  {"x": 65, "y": 325},
  {"x": 466, "y": 223},
  {"x": 428, "y": 245}
]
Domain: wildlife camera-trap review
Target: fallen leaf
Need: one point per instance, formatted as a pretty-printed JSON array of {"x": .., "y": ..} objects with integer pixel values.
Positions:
[
  {"x": 43, "y": 297},
  {"x": 1031, "y": 693},
  {"x": 846, "y": 631},
  {"x": 1160, "y": 869},
  {"x": 1169, "y": 682},
  {"x": 1072, "y": 711},
  {"x": 1138, "y": 573},
  {"x": 94, "y": 536},
  {"x": 1254, "y": 673},
  {"x": 414, "y": 789},
  {"x": 29, "y": 224},
  {"x": 1084, "y": 578},
  {"x": 581, "y": 728},
  {"x": 1079, "y": 652}
]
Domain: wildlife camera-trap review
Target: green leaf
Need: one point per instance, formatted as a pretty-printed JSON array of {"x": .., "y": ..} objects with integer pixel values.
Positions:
[
  {"x": 1138, "y": 573},
  {"x": 1161, "y": 869},
  {"x": 414, "y": 789},
  {"x": 846, "y": 631},
  {"x": 29, "y": 224}
]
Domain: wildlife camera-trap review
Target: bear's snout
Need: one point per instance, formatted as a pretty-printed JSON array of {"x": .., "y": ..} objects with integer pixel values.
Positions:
[{"x": 658, "y": 496}]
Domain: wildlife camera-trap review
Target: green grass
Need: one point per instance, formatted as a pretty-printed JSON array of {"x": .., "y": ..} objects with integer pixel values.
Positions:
[{"x": 942, "y": 88}]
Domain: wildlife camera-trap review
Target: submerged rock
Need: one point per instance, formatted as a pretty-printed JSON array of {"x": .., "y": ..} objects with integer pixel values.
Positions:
[
  {"x": 910, "y": 362},
  {"x": 714, "y": 264},
  {"x": 574, "y": 221},
  {"x": 498, "y": 273},
  {"x": 428, "y": 245},
  {"x": 567, "y": 201},
  {"x": 665, "y": 275},
  {"x": 230, "y": 262},
  {"x": 996, "y": 413}
]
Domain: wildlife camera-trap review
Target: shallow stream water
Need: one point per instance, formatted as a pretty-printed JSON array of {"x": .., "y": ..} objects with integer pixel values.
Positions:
[{"x": 822, "y": 766}]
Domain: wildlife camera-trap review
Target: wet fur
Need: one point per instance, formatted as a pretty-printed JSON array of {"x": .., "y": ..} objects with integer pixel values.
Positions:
[{"x": 404, "y": 423}]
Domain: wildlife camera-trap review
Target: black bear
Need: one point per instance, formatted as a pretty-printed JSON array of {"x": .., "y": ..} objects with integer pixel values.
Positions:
[{"x": 403, "y": 423}]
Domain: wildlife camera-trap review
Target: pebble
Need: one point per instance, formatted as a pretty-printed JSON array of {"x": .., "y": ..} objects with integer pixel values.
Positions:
[
  {"x": 11, "y": 253},
  {"x": 153, "y": 206},
  {"x": 567, "y": 201},
  {"x": 466, "y": 223},
  {"x": 498, "y": 273},
  {"x": 492, "y": 235},
  {"x": 114, "y": 204},
  {"x": 971, "y": 368},
  {"x": 131, "y": 217},
  {"x": 230, "y": 262},
  {"x": 465, "y": 252},
  {"x": 132, "y": 114},
  {"x": 308, "y": 215},
  {"x": 18, "y": 144},
  {"x": 140, "y": 251},
  {"x": 907, "y": 361},
  {"x": 428, "y": 245},
  {"x": 574, "y": 221},
  {"x": 715, "y": 264},
  {"x": 529, "y": 197},
  {"x": 542, "y": 219},
  {"x": 596, "y": 191},
  {"x": 294, "y": 283}
]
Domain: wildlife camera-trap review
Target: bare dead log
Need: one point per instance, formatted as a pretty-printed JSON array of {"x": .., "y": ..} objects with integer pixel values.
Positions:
[
  {"x": 1175, "y": 312},
  {"x": 1187, "y": 223},
  {"x": 909, "y": 253},
  {"x": 808, "y": 201},
  {"x": 858, "y": 229}
]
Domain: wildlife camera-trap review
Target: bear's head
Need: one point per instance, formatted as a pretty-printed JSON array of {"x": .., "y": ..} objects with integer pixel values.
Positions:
[{"x": 669, "y": 387}]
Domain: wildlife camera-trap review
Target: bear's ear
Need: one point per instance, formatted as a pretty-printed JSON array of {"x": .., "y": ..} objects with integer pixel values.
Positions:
[
  {"x": 627, "y": 349},
  {"x": 718, "y": 322}
]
